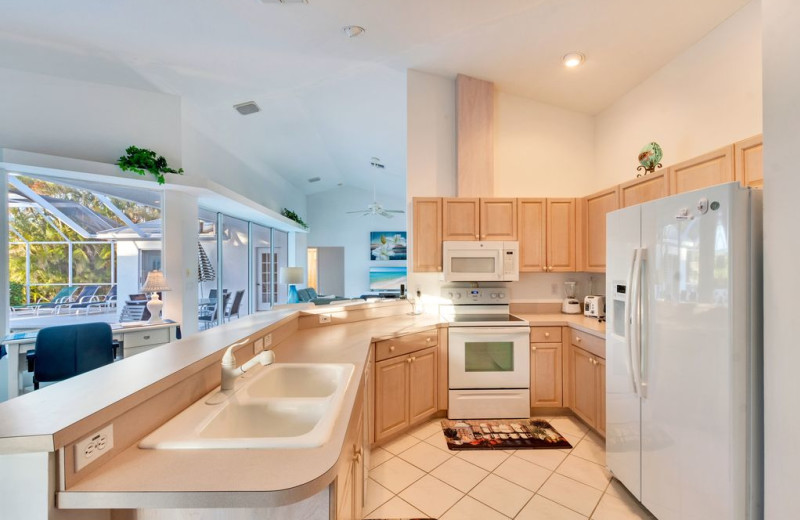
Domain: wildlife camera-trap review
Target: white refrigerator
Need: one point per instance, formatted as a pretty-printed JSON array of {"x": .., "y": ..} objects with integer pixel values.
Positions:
[{"x": 684, "y": 382}]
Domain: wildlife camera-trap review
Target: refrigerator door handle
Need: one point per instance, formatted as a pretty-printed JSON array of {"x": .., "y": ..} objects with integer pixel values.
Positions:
[
  {"x": 641, "y": 346},
  {"x": 635, "y": 317},
  {"x": 629, "y": 318}
]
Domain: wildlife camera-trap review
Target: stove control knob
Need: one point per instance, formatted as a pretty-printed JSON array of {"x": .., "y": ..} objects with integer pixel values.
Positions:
[
  {"x": 494, "y": 295},
  {"x": 450, "y": 295},
  {"x": 502, "y": 295},
  {"x": 458, "y": 296}
]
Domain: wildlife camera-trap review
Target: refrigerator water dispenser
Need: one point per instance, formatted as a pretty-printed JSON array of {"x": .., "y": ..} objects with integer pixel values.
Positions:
[{"x": 620, "y": 291}]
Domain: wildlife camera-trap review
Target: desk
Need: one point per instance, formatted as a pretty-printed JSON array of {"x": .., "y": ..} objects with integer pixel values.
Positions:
[{"x": 134, "y": 339}]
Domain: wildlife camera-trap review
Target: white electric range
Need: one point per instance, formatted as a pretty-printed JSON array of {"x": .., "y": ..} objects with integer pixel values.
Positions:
[{"x": 488, "y": 355}]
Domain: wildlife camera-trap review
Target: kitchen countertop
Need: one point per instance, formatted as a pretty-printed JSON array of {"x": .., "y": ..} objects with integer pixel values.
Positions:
[
  {"x": 260, "y": 478},
  {"x": 577, "y": 321}
]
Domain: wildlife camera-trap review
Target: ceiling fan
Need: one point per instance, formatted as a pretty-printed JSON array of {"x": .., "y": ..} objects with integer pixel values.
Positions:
[{"x": 375, "y": 208}]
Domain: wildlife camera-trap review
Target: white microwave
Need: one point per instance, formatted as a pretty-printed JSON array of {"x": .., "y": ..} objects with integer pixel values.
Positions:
[{"x": 485, "y": 261}]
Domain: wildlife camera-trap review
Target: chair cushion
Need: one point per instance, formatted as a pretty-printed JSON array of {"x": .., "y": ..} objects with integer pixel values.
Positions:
[
  {"x": 312, "y": 293},
  {"x": 302, "y": 294}
]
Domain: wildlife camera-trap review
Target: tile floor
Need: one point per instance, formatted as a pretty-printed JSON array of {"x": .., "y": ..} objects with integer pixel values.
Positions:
[{"x": 417, "y": 476}]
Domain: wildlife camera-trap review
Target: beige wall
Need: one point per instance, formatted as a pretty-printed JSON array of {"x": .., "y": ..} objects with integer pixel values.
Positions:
[
  {"x": 540, "y": 150},
  {"x": 707, "y": 97}
]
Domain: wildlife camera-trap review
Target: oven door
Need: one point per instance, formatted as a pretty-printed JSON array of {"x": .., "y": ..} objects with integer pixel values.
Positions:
[{"x": 489, "y": 357}]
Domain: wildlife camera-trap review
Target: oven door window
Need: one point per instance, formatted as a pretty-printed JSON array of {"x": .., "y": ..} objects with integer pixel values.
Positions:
[{"x": 489, "y": 356}]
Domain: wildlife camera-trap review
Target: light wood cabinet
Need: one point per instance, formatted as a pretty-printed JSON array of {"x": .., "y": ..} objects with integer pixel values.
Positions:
[
  {"x": 498, "y": 219},
  {"x": 644, "y": 189},
  {"x": 587, "y": 380},
  {"x": 406, "y": 391},
  {"x": 706, "y": 170},
  {"x": 350, "y": 478},
  {"x": 547, "y": 235},
  {"x": 560, "y": 235},
  {"x": 479, "y": 219},
  {"x": 595, "y": 208},
  {"x": 532, "y": 234},
  {"x": 427, "y": 238},
  {"x": 546, "y": 370},
  {"x": 749, "y": 161},
  {"x": 461, "y": 218}
]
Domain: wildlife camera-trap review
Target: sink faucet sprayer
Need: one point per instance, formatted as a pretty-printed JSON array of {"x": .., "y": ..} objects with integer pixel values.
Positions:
[{"x": 230, "y": 371}]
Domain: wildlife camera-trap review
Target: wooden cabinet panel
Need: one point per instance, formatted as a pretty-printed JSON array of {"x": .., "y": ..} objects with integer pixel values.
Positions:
[
  {"x": 427, "y": 241},
  {"x": 644, "y": 189},
  {"x": 460, "y": 219},
  {"x": 594, "y": 228},
  {"x": 474, "y": 136},
  {"x": 422, "y": 379},
  {"x": 584, "y": 385},
  {"x": 706, "y": 170},
  {"x": 402, "y": 345},
  {"x": 498, "y": 219},
  {"x": 391, "y": 397},
  {"x": 588, "y": 342},
  {"x": 546, "y": 389},
  {"x": 749, "y": 161},
  {"x": 560, "y": 235},
  {"x": 545, "y": 334},
  {"x": 601, "y": 395},
  {"x": 532, "y": 234}
]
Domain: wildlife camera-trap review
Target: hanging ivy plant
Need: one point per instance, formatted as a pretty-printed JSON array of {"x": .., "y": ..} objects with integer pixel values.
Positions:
[
  {"x": 293, "y": 216},
  {"x": 142, "y": 160}
]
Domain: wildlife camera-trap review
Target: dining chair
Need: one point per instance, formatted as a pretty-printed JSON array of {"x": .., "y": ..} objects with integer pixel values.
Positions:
[{"x": 234, "y": 309}]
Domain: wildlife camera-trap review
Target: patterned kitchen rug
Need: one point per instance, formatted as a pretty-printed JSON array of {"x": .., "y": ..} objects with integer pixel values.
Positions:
[{"x": 508, "y": 434}]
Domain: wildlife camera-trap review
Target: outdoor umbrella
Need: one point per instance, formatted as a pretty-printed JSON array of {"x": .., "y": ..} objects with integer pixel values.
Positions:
[{"x": 205, "y": 271}]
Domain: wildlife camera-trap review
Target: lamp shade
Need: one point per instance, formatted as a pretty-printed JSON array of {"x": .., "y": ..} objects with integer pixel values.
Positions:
[
  {"x": 290, "y": 275},
  {"x": 155, "y": 282}
]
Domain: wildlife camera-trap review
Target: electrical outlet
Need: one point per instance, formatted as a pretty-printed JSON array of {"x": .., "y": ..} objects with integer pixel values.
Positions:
[
  {"x": 267, "y": 340},
  {"x": 258, "y": 346},
  {"x": 324, "y": 318},
  {"x": 91, "y": 448}
]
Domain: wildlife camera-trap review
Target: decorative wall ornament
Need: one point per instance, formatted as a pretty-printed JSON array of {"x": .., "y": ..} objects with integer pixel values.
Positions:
[{"x": 649, "y": 158}]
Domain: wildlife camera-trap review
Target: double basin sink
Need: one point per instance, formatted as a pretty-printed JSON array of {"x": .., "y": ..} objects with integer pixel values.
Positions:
[{"x": 283, "y": 405}]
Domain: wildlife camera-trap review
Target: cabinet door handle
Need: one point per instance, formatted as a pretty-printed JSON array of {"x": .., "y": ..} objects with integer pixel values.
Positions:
[
  {"x": 578, "y": 338},
  {"x": 413, "y": 358},
  {"x": 546, "y": 334},
  {"x": 476, "y": 236},
  {"x": 408, "y": 360},
  {"x": 428, "y": 340},
  {"x": 440, "y": 267},
  {"x": 533, "y": 349},
  {"x": 391, "y": 348}
]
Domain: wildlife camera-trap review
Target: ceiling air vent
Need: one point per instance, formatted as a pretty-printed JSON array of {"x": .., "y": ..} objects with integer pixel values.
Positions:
[
  {"x": 314, "y": 179},
  {"x": 247, "y": 108}
]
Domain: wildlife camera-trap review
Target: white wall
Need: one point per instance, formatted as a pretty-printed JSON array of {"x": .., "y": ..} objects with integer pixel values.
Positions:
[
  {"x": 781, "y": 249},
  {"x": 540, "y": 150},
  {"x": 332, "y": 226},
  {"x": 707, "y": 97}
]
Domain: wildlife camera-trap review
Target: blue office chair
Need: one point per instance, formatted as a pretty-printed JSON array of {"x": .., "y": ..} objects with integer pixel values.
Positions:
[{"x": 68, "y": 350}]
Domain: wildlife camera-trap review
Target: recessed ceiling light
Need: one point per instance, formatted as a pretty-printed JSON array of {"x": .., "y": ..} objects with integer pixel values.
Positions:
[
  {"x": 573, "y": 59},
  {"x": 353, "y": 30},
  {"x": 247, "y": 108}
]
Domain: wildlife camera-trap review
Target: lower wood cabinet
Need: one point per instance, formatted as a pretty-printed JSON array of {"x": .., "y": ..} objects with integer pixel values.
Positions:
[
  {"x": 405, "y": 391},
  {"x": 588, "y": 387},
  {"x": 350, "y": 479},
  {"x": 546, "y": 367}
]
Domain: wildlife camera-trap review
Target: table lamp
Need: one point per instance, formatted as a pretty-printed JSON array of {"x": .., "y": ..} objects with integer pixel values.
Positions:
[
  {"x": 291, "y": 276},
  {"x": 155, "y": 284}
]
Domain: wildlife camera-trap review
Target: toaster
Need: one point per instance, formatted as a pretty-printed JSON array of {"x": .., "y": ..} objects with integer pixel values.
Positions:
[{"x": 594, "y": 306}]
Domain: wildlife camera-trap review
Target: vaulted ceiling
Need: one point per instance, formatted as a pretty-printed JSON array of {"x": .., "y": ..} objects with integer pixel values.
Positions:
[{"x": 329, "y": 103}]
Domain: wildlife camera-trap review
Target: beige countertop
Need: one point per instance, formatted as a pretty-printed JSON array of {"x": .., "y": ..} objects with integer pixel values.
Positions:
[{"x": 577, "y": 321}]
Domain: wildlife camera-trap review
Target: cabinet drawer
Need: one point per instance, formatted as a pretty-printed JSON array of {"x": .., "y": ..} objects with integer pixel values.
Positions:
[
  {"x": 145, "y": 337},
  {"x": 545, "y": 334},
  {"x": 589, "y": 343},
  {"x": 401, "y": 345}
]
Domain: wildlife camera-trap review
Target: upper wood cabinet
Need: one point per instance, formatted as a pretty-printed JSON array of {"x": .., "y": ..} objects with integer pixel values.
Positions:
[
  {"x": 547, "y": 235},
  {"x": 479, "y": 219},
  {"x": 427, "y": 241},
  {"x": 560, "y": 235},
  {"x": 498, "y": 219},
  {"x": 706, "y": 170},
  {"x": 644, "y": 189},
  {"x": 532, "y": 234},
  {"x": 749, "y": 161},
  {"x": 461, "y": 218},
  {"x": 593, "y": 229}
]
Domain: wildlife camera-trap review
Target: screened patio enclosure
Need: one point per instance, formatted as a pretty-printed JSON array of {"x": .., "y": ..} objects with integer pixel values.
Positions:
[{"x": 74, "y": 246}]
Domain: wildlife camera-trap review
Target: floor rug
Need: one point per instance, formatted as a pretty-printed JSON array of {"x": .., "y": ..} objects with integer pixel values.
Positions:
[{"x": 507, "y": 434}]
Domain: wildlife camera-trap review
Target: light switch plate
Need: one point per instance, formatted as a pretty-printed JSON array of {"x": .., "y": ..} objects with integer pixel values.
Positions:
[
  {"x": 91, "y": 448},
  {"x": 324, "y": 318}
]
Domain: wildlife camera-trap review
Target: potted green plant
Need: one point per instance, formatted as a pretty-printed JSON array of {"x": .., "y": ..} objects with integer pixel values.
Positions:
[
  {"x": 141, "y": 160},
  {"x": 293, "y": 216}
]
